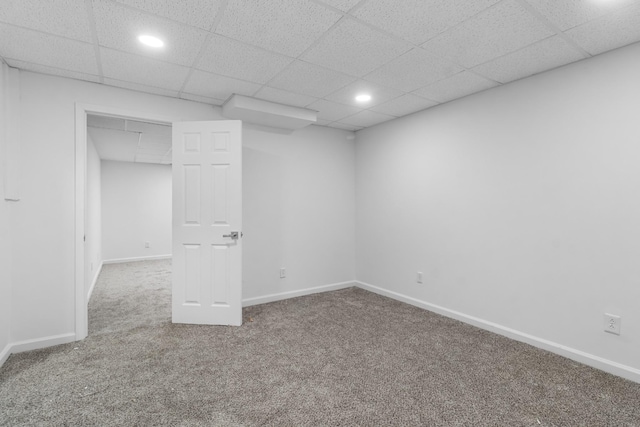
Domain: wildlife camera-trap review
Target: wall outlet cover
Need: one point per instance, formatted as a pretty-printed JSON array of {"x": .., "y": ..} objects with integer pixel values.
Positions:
[{"x": 612, "y": 323}]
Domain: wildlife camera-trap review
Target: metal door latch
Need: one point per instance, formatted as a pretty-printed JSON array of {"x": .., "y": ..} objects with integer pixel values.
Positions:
[{"x": 234, "y": 235}]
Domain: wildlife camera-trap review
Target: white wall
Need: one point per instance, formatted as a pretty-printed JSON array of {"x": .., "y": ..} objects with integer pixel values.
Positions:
[
  {"x": 5, "y": 235},
  {"x": 43, "y": 268},
  {"x": 299, "y": 206},
  {"x": 519, "y": 204},
  {"x": 313, "y": 192},
  {"x": 136, "y": 208},
  {"x": 93, "y": 220}
]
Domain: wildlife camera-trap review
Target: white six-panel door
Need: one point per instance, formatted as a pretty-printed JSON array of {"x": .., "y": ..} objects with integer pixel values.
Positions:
[{"x": 207, "y": 211}]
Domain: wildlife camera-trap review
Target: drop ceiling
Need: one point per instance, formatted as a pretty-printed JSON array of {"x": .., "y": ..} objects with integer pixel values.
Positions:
[
  {"x": 408, "y": 54},
  {"x": 133, "y": 141}
]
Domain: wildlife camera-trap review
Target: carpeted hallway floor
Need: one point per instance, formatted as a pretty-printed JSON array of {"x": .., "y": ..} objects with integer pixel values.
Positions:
[{"x": 342, "y": 358}]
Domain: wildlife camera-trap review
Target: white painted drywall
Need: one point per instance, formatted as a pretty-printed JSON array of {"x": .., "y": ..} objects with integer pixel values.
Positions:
[
  {"x": 43, "y": 268},
  {"x": 299, "y": 206},
  {"x": 519, "y": 204},
  {"x": 312, "y": 185},
  {"x": 93, "y": 214},
  {"x": 5, "y": 234},
  {"x": 136, "y": 208}
]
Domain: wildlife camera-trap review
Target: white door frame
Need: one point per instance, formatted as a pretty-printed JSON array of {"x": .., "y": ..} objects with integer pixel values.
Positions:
[{"x": 81, "y": 313}]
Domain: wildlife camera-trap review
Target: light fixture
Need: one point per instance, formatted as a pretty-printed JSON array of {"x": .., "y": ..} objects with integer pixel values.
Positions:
[
  {"x": 150, "y": 40},
  {"x": 363, "y": 97}
]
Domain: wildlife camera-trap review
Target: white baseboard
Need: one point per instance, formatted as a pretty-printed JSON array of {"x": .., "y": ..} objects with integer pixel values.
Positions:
[
  {"x": 133, "y": 259},
  {"x": 35, "y": 344},
  {"x": 292, "y": 294},
  {"x": 5, "y": 353},
  {"x": 597, "y": 362},
  {"x": 94, "y": 281}
]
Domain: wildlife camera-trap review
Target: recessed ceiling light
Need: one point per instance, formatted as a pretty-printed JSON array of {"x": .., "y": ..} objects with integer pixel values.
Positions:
[
  {"x": 363, "y": 97},
  {"x": 150, "y": 40}
]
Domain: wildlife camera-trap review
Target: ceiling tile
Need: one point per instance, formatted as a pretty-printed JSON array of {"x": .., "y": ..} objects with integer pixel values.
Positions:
[
  {"x": 114, "y": 144},
  {"x": 218, "y": 87},
  {"x": 355, "y": 49},
  {"x": 403, "y": 105},
  {"x": 499, "y": 30},
  {"x": 118, "y": 27},
  {"x": 142, "y": 70},
  {"x": 462, "y": 84},
  {"x": 332, "y": 111},
  {"x": 140, "y": 87},
  {"x": 198, "y": 13},
  {"x": 366, "y": 118},
  {"x": 343, "y": 5},
  {"x": 611, "y": 31},
  {"x": 151, "y": 129},
  {"x": 52, "y": 51},
  {"x": 413, "y": 70},
  {"x": 235, "y": 59},
  {"x": 105, "y": 122},
  {"x": 379, "y": 94},
  {"x": 308, "y": 79},
  {"x": 419, "y": 20},
  {"x": 344, "y": 126},
  {"x": 571, "y": 13},
  {"x": 283, "y": 97},
  {"x": 202, "y": 99},
  {"x": 541, "y": 56},
  {"x": 282, "y": 26},
  {"x": 43, "y": 69},
  {"x": 66, "y": 18}
]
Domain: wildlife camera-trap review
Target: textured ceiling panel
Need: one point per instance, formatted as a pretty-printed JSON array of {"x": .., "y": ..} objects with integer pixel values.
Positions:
[
  {"x": 403, "y": 105},
  {"x": 332, "y": 111},
  {"x": 462, "y": 84},
  {"x": 355, "y": 49},
  {"x": 284, "y": 97},
  {"x": 198, "y": 13},
  {"x": 283, "y": 26},
  {"x": 379, "y": 94},
  {"x": 614, "y": 30},
  {"x": 218, "y": 87},
  {"x": 106, "y": 122},
  {"x": 366, "y": 118},
  {"x": 309, "y": 79},
  {"x": 118, "y": 27},
  {"x": 67, "y": 18},
  {"x": 343, "y": 5},
  {"x": 140, "y": 87},
  {"x": 419, "y": 20},
  {"x": 202, "y": 99},
  {"x": 543, "y": 55},
  {"x": 499, "y": 30},
  {"x": 235, "y": 59},
  {"x": 114, "y": 144},
  {"x": 52, "y": 51},
  {"x": 413, "y": 70},
  {"x": 141, "y": 70},
  {"x": 394, "y": 50},
  {"x": 567, "y": 14},
  {"x": 43, "y": 69}
]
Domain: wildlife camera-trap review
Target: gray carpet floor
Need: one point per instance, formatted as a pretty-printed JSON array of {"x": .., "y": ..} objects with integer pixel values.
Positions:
[{"x": 343, "y": 358}]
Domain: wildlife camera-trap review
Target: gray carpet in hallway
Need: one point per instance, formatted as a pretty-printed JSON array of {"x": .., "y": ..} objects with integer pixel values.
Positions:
[{"x": 341, "y": 358}]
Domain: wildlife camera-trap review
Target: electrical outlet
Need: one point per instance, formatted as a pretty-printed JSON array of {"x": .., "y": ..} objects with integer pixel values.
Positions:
[
  {"x": 419, "y": 277},
  {"x": 147, "y": 245},
  {"x": 283, "y": 273},
  {"x": 612, "y": 323}
]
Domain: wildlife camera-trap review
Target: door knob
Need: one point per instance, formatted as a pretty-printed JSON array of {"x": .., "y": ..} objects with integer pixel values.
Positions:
[{"x": 234, "y": 235}]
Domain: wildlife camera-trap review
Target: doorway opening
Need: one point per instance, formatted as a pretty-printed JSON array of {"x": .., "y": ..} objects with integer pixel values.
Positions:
[
  {"x": 128, "y": 208},
  {"x": 125, "y": 138}
]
